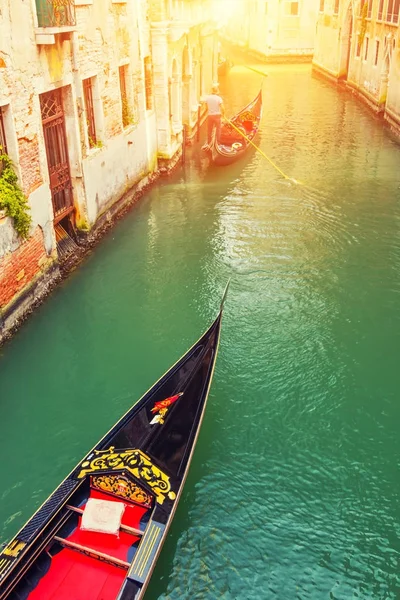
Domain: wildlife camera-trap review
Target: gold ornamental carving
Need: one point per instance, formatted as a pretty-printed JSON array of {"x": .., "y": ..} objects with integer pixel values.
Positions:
[
  {"x": 9, "y": 554},
  {"x": 123, "y": 488},
  {"x": 134, "y": 461}
]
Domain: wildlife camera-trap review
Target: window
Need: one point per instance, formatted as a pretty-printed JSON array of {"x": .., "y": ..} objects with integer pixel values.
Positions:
[
  {"x": 358, "y": 47},
  {"x": 126, "y": 112},
  {"x": 366, "y": 48},
  {"x": 380, "y": 10},
  {"x": 369, "y": 10},
  {"x": 376, "y": 52},
  {"x": 362, "y": 9},
  {"x": 292, "y": 9},
  {"x": 321, "y": 5},
  {"x": 396, "y": 6},
  {"x": 3, "y": 143},
  {"x": 336, "y": 7},
  {"x": 266, "y": 8},
  {"x": 89, "y": 107},
  {"x": 148, "y": 82},
  {"x": 389, "y": 11}
]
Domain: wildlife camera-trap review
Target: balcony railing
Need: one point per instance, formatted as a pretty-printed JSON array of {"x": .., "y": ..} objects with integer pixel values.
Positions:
[{"x": 55, "y": 13}]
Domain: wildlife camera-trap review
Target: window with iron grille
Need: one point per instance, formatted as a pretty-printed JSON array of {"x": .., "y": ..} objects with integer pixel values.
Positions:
[
  {"x": 148, "y": 82},
  {"x": 380, "y": 10},
  {"x": 3, "y": 143},
  {"x": 126, "y": 111},
  {"x": 55, "y": 13},
  {"x": 89, "y": 107}
]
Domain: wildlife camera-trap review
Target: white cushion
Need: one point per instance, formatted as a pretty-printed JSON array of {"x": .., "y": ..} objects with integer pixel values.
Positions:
[{"x": 102, "y": 516}]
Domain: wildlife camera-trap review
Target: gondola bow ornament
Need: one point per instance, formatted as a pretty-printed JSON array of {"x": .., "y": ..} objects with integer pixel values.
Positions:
[{"x": 162, "y": 408}]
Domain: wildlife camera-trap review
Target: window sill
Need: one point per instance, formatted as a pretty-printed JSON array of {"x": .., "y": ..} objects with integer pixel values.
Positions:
[
  {"x": 176, "y": 128},
  {"x": 92, "y": 151},
  {"x": 46, "y": 35},
  {"x": 129, "y": 128},
  {"x": 83, "y": 2}
]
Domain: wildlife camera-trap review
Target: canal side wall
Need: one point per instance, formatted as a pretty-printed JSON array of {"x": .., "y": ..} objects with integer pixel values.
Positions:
[
  {"x": 357, "y": 47},
  {"x": 29, "y": 274},
  {"x": 90, "y": 113}
]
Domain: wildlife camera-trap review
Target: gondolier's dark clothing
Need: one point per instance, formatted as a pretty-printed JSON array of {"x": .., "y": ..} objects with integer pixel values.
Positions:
[{"x": 213, "y": 121}]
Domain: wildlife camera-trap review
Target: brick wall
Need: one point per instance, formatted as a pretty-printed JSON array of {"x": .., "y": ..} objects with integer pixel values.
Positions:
[
  {"x": 17, "y": 269},
  {"x": 29, "y": 164}
]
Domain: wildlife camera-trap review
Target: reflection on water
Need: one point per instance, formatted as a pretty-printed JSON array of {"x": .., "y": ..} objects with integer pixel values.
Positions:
[{"x": 293, "y": 491}]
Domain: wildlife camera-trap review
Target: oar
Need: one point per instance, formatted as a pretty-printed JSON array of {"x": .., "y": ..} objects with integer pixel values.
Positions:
[
  {"x": 262, "y": 153},
  {"x": 256, "y": 71}
]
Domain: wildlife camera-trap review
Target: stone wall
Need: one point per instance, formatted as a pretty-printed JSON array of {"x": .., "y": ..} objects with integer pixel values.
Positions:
[{"x": 360, "y": 49}]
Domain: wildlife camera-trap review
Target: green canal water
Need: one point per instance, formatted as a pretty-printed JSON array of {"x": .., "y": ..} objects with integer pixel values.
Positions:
[{"x": 294, "y": 488}]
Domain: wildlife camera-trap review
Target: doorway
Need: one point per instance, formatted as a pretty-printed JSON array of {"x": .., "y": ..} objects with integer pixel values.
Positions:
[
  {"x": 55, "y": 138},
  {"x": 345, "y": 44}
]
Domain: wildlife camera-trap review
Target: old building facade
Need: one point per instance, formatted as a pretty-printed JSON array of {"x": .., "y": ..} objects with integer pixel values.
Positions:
[
  {"x": 274, "y": 29},
  {"x": 184, "y": 40},
  {"x": 94, "y": 94},
  {"x": 358, "y": 43}
]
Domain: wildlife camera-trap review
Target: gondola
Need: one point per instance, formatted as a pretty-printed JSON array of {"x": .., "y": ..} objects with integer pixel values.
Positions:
[
  {"x": 224, "y": 66},
  {"x": 232, "y": 143},
  {"x": 98, "y": 536}
]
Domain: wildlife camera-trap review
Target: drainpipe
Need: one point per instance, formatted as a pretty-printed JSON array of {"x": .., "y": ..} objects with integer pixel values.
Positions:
[{"x": 79, "y": 97}]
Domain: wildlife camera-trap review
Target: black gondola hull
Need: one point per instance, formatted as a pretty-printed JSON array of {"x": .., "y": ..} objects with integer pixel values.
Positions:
[
  {"x": 237, "y": 135},
  {"x": 143, "y": 462}
]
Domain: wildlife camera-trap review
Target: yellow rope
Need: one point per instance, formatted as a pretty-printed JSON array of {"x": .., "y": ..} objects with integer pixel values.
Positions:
[{"x": 263, "y": 153}]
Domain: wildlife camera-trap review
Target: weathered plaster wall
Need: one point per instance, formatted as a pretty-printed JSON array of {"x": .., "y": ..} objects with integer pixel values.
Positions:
[
  {"x": 185, "y": 56},
  {"x": 393, "y": 90},
  {"x": 327, "y": 43},
  {"x": 106, "y": 37},
  {"x": 109, "y": 173}
]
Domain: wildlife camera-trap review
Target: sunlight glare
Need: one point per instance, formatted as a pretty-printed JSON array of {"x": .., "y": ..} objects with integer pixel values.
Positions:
[{"x": 226, "y": 9}]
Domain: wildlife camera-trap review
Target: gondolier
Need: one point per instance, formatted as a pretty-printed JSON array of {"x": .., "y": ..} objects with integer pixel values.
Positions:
[
  {"x": 237, "y": 134},
  {"x": 216, "y": 111}
]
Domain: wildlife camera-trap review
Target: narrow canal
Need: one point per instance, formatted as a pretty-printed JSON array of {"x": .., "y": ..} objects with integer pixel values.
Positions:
[{"x": 294, "y": 489}]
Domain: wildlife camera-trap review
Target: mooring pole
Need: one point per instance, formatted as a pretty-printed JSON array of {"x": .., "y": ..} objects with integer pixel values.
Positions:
[
  {"x": 198, "y": 123},
  {"x": 184, "y": 135}
]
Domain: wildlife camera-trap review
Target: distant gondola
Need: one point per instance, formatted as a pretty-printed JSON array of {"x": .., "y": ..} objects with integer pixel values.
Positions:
[
  {"x": 232, "y": 144},
  {"x": 130, "y": 482},
  {"x": 224, "y": 66}
]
